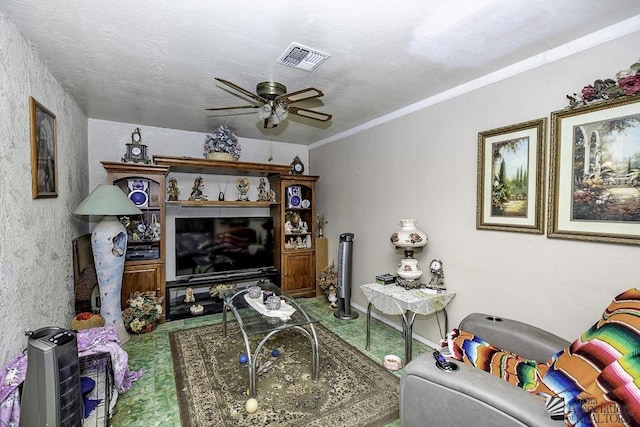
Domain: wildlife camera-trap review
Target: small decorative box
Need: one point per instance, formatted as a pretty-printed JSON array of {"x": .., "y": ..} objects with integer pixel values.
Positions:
[
  {"x": 273, "y": 303},
  {"x": 254, "y": 292},
  {"x": 266, "y": 295}
]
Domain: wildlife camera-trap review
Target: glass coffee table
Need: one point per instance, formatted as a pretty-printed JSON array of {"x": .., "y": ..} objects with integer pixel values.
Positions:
[{"x": 254, "y": 319}]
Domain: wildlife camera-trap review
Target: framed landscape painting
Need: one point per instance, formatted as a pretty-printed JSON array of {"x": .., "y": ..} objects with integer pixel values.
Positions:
[
  {"x": 594, "y": 176},
  {"x": 44, "y": 182},
  {"x": 511, "y": 173}
]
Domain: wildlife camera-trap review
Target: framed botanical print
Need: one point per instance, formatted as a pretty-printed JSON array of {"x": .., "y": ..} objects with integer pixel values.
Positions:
[
  {"x": 594, "y": 176},
  {"x": 44, "y": 162},
  {"x": 511, "y": 173}
]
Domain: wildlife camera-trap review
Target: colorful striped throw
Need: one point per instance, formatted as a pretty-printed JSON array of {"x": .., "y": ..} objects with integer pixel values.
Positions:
[{"x": 597, "y": 376}]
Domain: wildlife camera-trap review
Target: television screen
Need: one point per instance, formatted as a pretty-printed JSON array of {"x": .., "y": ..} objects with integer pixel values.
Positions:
[{"x": 214, "y": 245}]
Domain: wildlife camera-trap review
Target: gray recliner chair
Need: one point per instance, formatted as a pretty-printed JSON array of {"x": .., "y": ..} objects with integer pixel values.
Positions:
[{"x": 430, "y": 396}]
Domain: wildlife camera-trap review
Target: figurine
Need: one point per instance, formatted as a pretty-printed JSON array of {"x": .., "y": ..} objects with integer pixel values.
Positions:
[
  {"x": 272, "y": 195},
  {"x": 189, "y": 297},
  {"x": 262, "y": 191},
  {"x": 222, "y": 193},
  {"x": 242, "y": 184},
  {"x": 173, "y": 190},
  {"x": 196, "y": 192}
]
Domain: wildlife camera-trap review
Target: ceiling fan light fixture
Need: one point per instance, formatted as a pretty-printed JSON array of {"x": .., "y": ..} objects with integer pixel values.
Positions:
[
  {"x": 281, "y": 112},
  {"x": 265, "y": 111}
]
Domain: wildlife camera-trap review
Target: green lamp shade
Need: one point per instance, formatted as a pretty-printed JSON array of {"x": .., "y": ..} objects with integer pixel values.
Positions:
[{"x": 107, "y": 200}]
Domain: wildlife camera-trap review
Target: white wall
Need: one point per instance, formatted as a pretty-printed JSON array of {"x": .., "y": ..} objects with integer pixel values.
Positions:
[
  {"x": 423, "y": 166},
  {"x": 107, "y": 143},
  {"x": 36, "y": 274}
]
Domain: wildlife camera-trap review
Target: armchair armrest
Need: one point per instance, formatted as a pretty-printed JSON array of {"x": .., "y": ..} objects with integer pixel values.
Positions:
[
  {"x": 468, "y": 396},
  {"x": 520, "y": 338}
]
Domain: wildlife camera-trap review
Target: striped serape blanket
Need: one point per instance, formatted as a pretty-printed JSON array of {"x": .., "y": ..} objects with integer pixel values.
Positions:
[{"x": 597, "y": 376}]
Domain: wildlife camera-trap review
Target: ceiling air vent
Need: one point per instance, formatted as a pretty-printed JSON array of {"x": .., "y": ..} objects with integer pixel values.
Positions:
[{"x": 302, "y": 57}]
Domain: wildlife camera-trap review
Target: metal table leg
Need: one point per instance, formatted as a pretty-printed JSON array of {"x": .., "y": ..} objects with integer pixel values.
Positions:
[
  {"x": 368, "y": 344},
  {"x": 407, "y": 332}
]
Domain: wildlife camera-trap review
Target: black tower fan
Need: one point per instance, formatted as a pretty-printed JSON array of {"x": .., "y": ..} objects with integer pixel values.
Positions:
[
  {"x": 345, "y": 256},
  {"x": 51, "y": 391}
]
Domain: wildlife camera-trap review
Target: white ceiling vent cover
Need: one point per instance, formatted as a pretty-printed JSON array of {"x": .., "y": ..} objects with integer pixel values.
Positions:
[{"x": 302, "y": 57}]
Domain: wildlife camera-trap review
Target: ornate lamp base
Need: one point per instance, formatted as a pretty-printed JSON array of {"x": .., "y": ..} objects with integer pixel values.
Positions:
[{"x": 109, "y": 244}]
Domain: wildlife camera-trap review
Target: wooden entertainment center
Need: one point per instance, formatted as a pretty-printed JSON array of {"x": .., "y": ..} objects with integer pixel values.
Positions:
[{"x": 294, "y": 251}]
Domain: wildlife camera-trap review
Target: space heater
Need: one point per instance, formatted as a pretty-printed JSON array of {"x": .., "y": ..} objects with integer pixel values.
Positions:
[
  {"x": 345, "y": 256},
  {"x": 51, "y": 392}
]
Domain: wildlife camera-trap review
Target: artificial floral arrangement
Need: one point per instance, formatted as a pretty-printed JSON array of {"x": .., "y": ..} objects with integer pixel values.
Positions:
[
  {"x": 627, "y": 83},
  {"x": 143, "y": 312},
  {"x": 222, "y": 141},
  {"x": 328, "y": 279},
  {"x": 220, "y": 290}
]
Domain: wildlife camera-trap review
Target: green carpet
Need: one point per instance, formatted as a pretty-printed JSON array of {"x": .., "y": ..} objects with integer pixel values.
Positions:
[{"x": 211, "y": 385}]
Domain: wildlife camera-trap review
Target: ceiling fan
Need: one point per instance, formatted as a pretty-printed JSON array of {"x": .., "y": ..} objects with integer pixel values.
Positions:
[{"x": 274, "y": 103}]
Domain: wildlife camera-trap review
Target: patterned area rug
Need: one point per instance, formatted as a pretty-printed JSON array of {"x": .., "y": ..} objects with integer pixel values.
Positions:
[{"x": 211, "y": 385}]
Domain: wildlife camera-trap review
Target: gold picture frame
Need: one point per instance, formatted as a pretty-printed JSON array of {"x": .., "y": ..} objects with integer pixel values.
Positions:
[
  {"x": 511, "y": 174},
  {"x": 44, "y": 160},
  {"x": 594, "y": 172}
]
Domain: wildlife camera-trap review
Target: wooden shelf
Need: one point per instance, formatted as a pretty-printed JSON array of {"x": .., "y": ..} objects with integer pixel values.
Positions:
[
  {"x": 194, "y": 165},
  {"x": 226, "y": 204}
]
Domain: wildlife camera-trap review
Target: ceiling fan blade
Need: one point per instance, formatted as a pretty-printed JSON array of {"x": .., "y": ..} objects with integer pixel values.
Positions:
[
  {"x": 300, "y": 95},
  {"x": 232, "y": 108},
  {"x": 310, "y": 114},
  {"x": 241, "y": 90}
]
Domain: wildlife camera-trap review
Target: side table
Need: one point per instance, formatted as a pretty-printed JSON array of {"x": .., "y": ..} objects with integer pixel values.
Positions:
[{"x": 393, "y": 300}]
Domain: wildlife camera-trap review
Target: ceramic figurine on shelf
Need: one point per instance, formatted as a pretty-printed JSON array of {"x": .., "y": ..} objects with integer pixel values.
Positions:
[
  {"x": 173, "y": 190},
  {"x": 272, "y": 195},
  {"x": 263, "y": 196},
  {"x": 242, "y": 184},
  {"x": 196, "y": 192},
  {"x": 189, "y": 297},
  {"x": 222, "y": 193},
  {"x": 320, "y": 222}
]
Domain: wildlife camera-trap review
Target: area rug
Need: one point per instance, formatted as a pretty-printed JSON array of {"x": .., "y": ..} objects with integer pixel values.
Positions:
[{"x": 212, "y": 385}]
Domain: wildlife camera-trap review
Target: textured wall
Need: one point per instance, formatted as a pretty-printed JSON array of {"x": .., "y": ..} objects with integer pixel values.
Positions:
[
  {"x": 424, "y": 166},
  {"x": 36, "y": 274}
]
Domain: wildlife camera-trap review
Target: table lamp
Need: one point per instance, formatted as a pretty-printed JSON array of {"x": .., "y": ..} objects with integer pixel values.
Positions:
[
  {"x": 109, "y": 244},
  {"x": 410, "y": 239}
]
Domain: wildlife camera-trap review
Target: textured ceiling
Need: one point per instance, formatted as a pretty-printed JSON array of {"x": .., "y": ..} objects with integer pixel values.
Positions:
[{"x": 153, "y": 62}]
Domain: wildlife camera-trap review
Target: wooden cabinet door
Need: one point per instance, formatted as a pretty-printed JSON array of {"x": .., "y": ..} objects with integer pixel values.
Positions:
[
  {"x": 298, "y": 274},
  {"x": 141, "y": 278}
]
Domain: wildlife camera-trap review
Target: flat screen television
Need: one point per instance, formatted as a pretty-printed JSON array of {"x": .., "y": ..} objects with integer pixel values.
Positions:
[{"x": 206, "y": 246}]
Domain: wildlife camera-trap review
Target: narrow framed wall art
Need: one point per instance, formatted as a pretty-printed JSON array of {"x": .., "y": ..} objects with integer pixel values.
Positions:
[{"x": 44, "y": 161}]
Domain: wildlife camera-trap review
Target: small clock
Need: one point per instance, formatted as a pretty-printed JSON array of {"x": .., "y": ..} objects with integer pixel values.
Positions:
[
  {"x": 437, "y": 274},
  {"x": 136, "y": 151},
  {"x": 436, "y": 266},
  {"x": 297, "y": 167}
]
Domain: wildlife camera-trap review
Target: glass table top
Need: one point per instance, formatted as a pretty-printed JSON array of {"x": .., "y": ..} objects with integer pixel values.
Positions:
[{"x": 255, "y": 323}]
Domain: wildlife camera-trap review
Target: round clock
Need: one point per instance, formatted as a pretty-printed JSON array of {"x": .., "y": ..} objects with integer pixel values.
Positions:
[
  {"x": 297, "y": 167},
  {"x": 436, "y": 266},
  {"x": 136, "y": 151}
]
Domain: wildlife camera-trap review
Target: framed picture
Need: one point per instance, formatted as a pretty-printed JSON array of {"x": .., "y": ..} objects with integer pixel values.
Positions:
[
  {"x": 44, "y": 161},
  {"x": 511, "y": 173},
  {"x": 594, "y": 176}
]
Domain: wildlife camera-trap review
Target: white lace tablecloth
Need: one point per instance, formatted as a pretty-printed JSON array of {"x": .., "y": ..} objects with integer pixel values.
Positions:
[{"x": 393, "y": 299}]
